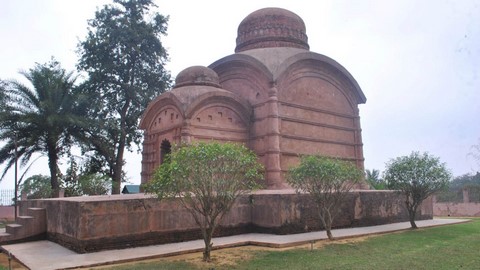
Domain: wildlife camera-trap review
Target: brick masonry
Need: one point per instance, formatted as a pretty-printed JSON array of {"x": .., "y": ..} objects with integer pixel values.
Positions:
[
  {"x": 87, "y": 224},
  {"x": 272, "y": 94}
]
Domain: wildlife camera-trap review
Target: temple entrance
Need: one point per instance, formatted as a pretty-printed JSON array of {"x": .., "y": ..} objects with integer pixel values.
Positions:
[{"x": 165, "y": 149}]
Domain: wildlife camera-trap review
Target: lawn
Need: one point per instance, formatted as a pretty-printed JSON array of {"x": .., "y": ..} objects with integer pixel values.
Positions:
[{"x": 446, "y": 247}]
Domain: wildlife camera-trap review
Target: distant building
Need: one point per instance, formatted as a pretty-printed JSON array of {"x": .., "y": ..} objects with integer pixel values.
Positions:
[
  {"x": 131, "y": 189},
  {"x": 272, "y": 94}
]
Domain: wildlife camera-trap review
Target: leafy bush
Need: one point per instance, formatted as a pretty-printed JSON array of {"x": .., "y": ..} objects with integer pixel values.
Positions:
[{"x": 37, "y": 187}]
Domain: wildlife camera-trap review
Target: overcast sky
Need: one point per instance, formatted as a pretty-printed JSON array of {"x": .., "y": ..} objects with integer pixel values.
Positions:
[{"x": 418, "y": 62}]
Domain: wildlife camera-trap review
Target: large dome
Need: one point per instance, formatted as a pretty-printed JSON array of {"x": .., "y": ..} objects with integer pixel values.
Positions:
[{"x": 271, "y": 27}]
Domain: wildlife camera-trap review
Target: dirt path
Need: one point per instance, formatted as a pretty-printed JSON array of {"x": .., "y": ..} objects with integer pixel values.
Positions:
[{"x": 231, "y": 256}]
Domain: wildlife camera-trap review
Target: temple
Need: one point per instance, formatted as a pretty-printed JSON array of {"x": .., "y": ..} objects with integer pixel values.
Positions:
[{"x": 272, "y": 94}]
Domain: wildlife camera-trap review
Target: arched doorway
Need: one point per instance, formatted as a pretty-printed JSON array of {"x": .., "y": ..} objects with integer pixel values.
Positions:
[{"x": 165, "y": 149}]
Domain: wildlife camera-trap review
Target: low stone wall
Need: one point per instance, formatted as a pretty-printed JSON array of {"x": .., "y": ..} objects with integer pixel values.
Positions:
[
  {"x": 452, "y": 209},
  {"x": 87, "y": 224},
  {"x": 7, "y": 213},
  {"x": 457, "y": 209}
]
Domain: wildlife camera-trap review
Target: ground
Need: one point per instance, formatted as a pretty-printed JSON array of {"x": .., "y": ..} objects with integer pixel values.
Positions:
[
  {"x": 230, "y": 256},
  {"x": 4, "y": 262},
  {"x": 221, "y": 257}
]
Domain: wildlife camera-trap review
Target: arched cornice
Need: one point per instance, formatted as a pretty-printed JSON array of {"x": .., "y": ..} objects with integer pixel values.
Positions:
[
  {"x": 254, "y": 74},
  {"x": 238, "y": 59},
  {"x": 232, "y": 101},
  {"x": 155, "y": 106},
  {"x": 310, "y": 57}
]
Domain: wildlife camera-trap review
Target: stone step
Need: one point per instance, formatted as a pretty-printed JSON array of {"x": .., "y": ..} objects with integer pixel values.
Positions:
[
  {"x": 14, "y": 229},
  {"x": 4, "y": 237},
  {"x": 4, "y": 234},
  {"x": 40, "y": 219},
  {"x": 30, "y": 224},
  {"x": 23, "y": 219}
]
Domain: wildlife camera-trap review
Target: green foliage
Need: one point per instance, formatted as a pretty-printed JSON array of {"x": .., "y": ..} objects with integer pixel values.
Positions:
[
  {"x": 327, "y": 180},
  {"x": 124, "y": 59},
  {"x": 88, "y": 184},
  {"x": 43, "y": 119},
  {"x": 373, "y": 179},
  {"x": 223, "y": 170},
  {"x": 207, "y": 178},
  {"x": 37, "y": 187},
  {"x": 79, "y": 181},
  {"x": 417, "y": 176},
  {"x": 454, "y": 193},
  {"x": 3, "y": 98}
]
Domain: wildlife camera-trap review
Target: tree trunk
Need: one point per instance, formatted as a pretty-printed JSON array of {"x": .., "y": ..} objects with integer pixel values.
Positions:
[
  {"x": 327, "y": 224},
  {"x": 118, "y": 166},
  {"x": 329, "y": 234},
  {"x": 411, "y": 213},
  {"x": 118, "y": 169},
  {"x": 208, "y": 244},
  {"x": 52, "y": 165}
]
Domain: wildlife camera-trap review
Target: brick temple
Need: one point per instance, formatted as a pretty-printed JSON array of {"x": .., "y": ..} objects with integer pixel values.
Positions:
[{"x": 273, "y": 95}]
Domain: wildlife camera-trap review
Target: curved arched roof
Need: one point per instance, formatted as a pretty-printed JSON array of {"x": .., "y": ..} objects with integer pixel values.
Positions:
[{"x": 273, "y": 62}]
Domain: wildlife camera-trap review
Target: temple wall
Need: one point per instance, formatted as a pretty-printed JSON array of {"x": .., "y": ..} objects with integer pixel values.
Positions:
[
  {"x": 87, "y": 224},
  {"x": 461, "y": 209},
  {"x": 151, "y": 149},
  {"x": 466, "y": 208},
  {"x": 316, "y": 117},
  {"x": 312, "y": 91}
]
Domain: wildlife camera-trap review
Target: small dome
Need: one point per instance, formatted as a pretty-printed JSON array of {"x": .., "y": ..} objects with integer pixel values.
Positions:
[
  {"x": 271, "y": 27},
  {"x": 197, "y": 75}
]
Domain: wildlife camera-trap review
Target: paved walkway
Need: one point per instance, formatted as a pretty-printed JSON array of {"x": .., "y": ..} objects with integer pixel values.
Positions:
[{"x": 46, "y": 255}]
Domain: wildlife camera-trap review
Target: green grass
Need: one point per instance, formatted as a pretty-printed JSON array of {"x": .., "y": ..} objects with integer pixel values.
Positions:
[{"x": 446, "y": 247}]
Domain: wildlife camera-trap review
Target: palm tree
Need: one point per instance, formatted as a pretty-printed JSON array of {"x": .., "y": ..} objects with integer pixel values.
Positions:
[
  {"x": 373, "y": 178},
  {"x": 41, "y": 119}
]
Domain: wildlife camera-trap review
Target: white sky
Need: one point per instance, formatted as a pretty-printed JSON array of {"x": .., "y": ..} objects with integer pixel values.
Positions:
[{"x": 418, "y": 62}]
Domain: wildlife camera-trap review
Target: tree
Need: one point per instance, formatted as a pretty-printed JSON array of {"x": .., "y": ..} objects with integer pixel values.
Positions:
[
  {"x": 207, "y": 178},
  {"x": 124, "y": 59},
  {"x": 78, "y": 181},
  {"x": 454, "y": 193},
  {"x": 328, "y": 181},
  {"x": 42, "y": 119},
  {"x": 417, "y": 176},
  {"x": 373, "y": 178},
  {"x": 37, "y": 187},
  {"x": 3, "y": 101}
]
